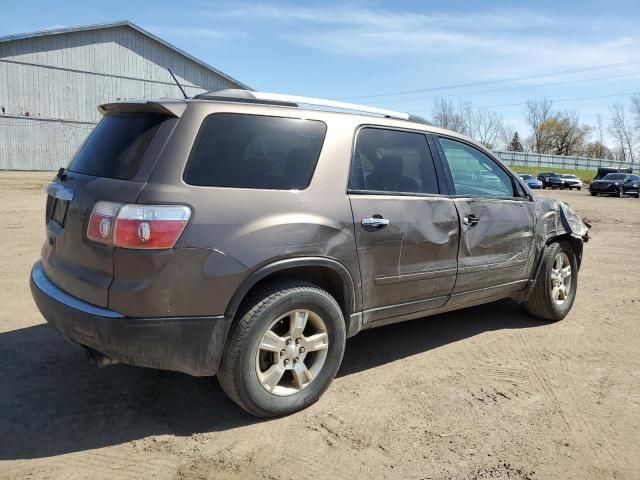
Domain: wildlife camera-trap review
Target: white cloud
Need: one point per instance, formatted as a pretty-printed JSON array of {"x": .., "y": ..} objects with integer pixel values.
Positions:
[
  {"x": 194, "y": 32},
  {"x": 383, "y": 18},
  {"x": 492, "y": 41}
]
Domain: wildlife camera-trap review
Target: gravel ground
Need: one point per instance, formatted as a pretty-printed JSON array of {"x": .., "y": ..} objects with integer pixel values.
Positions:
[{"x": 482, "y": 393}]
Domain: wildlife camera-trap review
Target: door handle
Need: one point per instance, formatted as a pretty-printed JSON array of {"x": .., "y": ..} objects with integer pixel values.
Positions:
[
  {"x": 375, "y": 222},
  {"x": 471, "y": 220}
]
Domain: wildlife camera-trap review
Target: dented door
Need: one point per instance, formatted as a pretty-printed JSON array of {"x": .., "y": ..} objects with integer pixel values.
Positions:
[
  {"x": 497, "y": 222},
  {"x": 409, "y": 265},
  {"x": 496, "y": 245}
]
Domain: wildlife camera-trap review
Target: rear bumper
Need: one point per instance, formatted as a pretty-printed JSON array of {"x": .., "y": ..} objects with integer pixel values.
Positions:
[{"x": 192, "y": 345}]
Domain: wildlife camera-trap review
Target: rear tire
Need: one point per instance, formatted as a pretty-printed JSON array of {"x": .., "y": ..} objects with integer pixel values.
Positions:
[
  {"x": 263, "y": 369},
  {"x": 555, "y": 290}
]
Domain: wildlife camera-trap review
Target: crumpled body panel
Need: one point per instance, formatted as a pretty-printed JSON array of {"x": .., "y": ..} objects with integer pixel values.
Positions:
[{"x": 555, "y": 218}]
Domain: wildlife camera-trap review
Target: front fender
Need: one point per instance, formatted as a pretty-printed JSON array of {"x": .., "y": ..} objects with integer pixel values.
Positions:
[{"x": 555, "y": 220}]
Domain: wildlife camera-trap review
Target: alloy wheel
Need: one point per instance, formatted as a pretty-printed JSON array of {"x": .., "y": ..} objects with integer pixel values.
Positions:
[
  {"x": 292, "y": 352},
  {"x": 560, "y": 278}
]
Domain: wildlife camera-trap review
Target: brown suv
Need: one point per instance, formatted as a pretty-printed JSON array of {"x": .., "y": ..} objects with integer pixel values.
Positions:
[{"x": 247, "y": 235}]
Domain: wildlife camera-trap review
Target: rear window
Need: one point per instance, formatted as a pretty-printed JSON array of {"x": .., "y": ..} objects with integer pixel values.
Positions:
[
  {"x": 253, "y": 151},
  {"x": 117, "y": 145}
]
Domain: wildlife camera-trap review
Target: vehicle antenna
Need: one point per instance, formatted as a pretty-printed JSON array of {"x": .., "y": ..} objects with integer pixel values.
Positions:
[{"x": 177, "y": 83}]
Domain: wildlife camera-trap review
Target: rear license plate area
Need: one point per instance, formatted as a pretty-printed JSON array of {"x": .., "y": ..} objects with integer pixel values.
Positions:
[{"x": 59, "y": 211}]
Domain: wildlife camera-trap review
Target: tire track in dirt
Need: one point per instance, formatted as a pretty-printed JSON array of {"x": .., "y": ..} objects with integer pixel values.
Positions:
[
  {"x": 565, "y": 341},
  {"x": 541, "y": 378},
  {"x": 121, "y": 465},
  {"x": 563, "y": 399}
]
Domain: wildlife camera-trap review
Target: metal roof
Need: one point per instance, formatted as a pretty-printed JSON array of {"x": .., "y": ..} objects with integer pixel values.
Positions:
[{"x": 121, "y": 23}]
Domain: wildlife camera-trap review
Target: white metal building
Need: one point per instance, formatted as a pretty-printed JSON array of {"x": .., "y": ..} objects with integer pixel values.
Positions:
[{"x": 51, "y": 83}]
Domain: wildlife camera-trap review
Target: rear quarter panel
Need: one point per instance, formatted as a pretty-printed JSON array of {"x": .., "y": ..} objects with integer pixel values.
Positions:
[{"x": 257, "y": 227}]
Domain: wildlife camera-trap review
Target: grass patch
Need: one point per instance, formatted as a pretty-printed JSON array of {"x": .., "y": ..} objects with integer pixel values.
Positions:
[{"x": 585, "y": 175}]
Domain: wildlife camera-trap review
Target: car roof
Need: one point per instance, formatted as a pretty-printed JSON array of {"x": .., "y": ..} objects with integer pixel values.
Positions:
[{"x": 319, "y": 108}]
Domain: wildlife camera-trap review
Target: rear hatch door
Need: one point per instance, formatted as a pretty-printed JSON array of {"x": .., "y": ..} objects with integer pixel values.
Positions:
[{"x": 112, "y": 165}]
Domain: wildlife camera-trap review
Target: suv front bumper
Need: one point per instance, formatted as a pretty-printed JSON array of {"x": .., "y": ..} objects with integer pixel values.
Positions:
[{"x": 192, "y": 345}]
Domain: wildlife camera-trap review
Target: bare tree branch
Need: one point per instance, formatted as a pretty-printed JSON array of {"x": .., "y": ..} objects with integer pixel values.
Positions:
[
  {"x": 621, "y": 131},
  {"x": 536, "y": 113},
  {"x": 443, "y": 115}
]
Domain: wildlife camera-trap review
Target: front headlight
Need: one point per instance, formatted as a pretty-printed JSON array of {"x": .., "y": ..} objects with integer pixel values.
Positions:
[{"x": 617, "y": 184}]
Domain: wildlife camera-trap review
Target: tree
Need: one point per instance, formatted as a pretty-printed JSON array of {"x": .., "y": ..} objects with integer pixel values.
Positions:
[
  {"x": 515, "y": 145},
  {"x": 483, "y": 125},
  {"x": 635, "y": 111},
  {"x": 620, "y": 129},
  {"x": 506, "y": 135},
  {"x": 563, "y": 134},
  {"x": 560, "y": 133},
  {"x": 597, "y": 149},
  {"x": 444, "y": 116},
  {"x": 537, "y": 112}
]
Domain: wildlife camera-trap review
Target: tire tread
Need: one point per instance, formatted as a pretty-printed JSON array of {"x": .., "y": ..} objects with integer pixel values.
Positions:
[
  {"x": 538, "y": 303},
  {"x": 263, "y": 298}
]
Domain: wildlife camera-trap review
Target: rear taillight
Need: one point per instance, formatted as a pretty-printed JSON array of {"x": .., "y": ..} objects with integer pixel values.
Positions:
[
  {"x": 101, "y": 222},
  {"x": 137, "y": 226}
]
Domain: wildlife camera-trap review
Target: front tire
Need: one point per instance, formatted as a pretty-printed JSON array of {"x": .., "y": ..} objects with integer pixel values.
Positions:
[
  {"x": 285, "y": 349},
  {"x": 555, "y": 289},
  {"x": 593, "y": 194}
]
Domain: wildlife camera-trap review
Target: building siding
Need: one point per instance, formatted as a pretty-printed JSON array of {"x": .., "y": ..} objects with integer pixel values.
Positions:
[{"x": 51, "y": 85}]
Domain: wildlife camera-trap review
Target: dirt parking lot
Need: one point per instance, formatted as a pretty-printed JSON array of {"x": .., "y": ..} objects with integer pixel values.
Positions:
[{"x": 482, "y": 393}]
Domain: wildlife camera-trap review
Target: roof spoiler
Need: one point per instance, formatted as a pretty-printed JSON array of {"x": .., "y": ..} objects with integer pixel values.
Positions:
[{"x": 171, "y": 108}]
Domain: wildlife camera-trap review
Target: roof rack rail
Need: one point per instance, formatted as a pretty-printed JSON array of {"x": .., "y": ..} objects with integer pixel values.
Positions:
[
  {"x": 249, "y": 96},
  {"x": 321, "y": 102}
]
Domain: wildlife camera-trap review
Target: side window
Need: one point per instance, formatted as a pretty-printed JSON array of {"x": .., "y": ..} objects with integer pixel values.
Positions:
[
  {"x": 392, "y": 161},
  {"x": 475, "y": 173},
  {"x": 253, "y": 151}
]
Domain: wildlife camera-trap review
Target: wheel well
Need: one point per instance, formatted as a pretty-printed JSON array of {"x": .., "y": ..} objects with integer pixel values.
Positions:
[
  {"x": 324, "y": 277},
  {"x": 575, "y": 243}
]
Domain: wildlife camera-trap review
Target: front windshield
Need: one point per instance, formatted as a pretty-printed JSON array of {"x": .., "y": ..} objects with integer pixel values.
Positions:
[
  {"x": 615, "y": 176},
  {"x": 526, "y": 177},
  {"x": 568, "y": 176}
]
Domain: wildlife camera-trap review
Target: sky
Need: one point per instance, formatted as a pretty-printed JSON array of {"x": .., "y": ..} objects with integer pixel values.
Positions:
[{"x": 398, "y": 55}]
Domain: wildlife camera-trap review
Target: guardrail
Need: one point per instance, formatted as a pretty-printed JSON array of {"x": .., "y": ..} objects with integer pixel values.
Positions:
[{"x": 544, "y": 161}]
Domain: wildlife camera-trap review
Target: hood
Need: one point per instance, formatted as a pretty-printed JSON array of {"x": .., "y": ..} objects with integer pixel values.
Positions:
[{"x": 606, "y": 182}]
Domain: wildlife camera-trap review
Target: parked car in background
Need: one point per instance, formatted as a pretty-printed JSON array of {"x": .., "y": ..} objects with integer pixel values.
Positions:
[
  {"x": 244, "y": 235},
  {"x": 604, "y": 171},
  {"x": 555, "y": 181},
  {"x": 618, "y": 184},
  {"x": 544, "y": 178},
  {"x": 530, "y": 180},
  {"x": 570, "y": 182}
]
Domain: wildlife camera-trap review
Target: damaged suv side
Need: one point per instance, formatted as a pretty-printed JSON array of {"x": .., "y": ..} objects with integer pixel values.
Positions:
[{"x": 242, "y": 235}]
